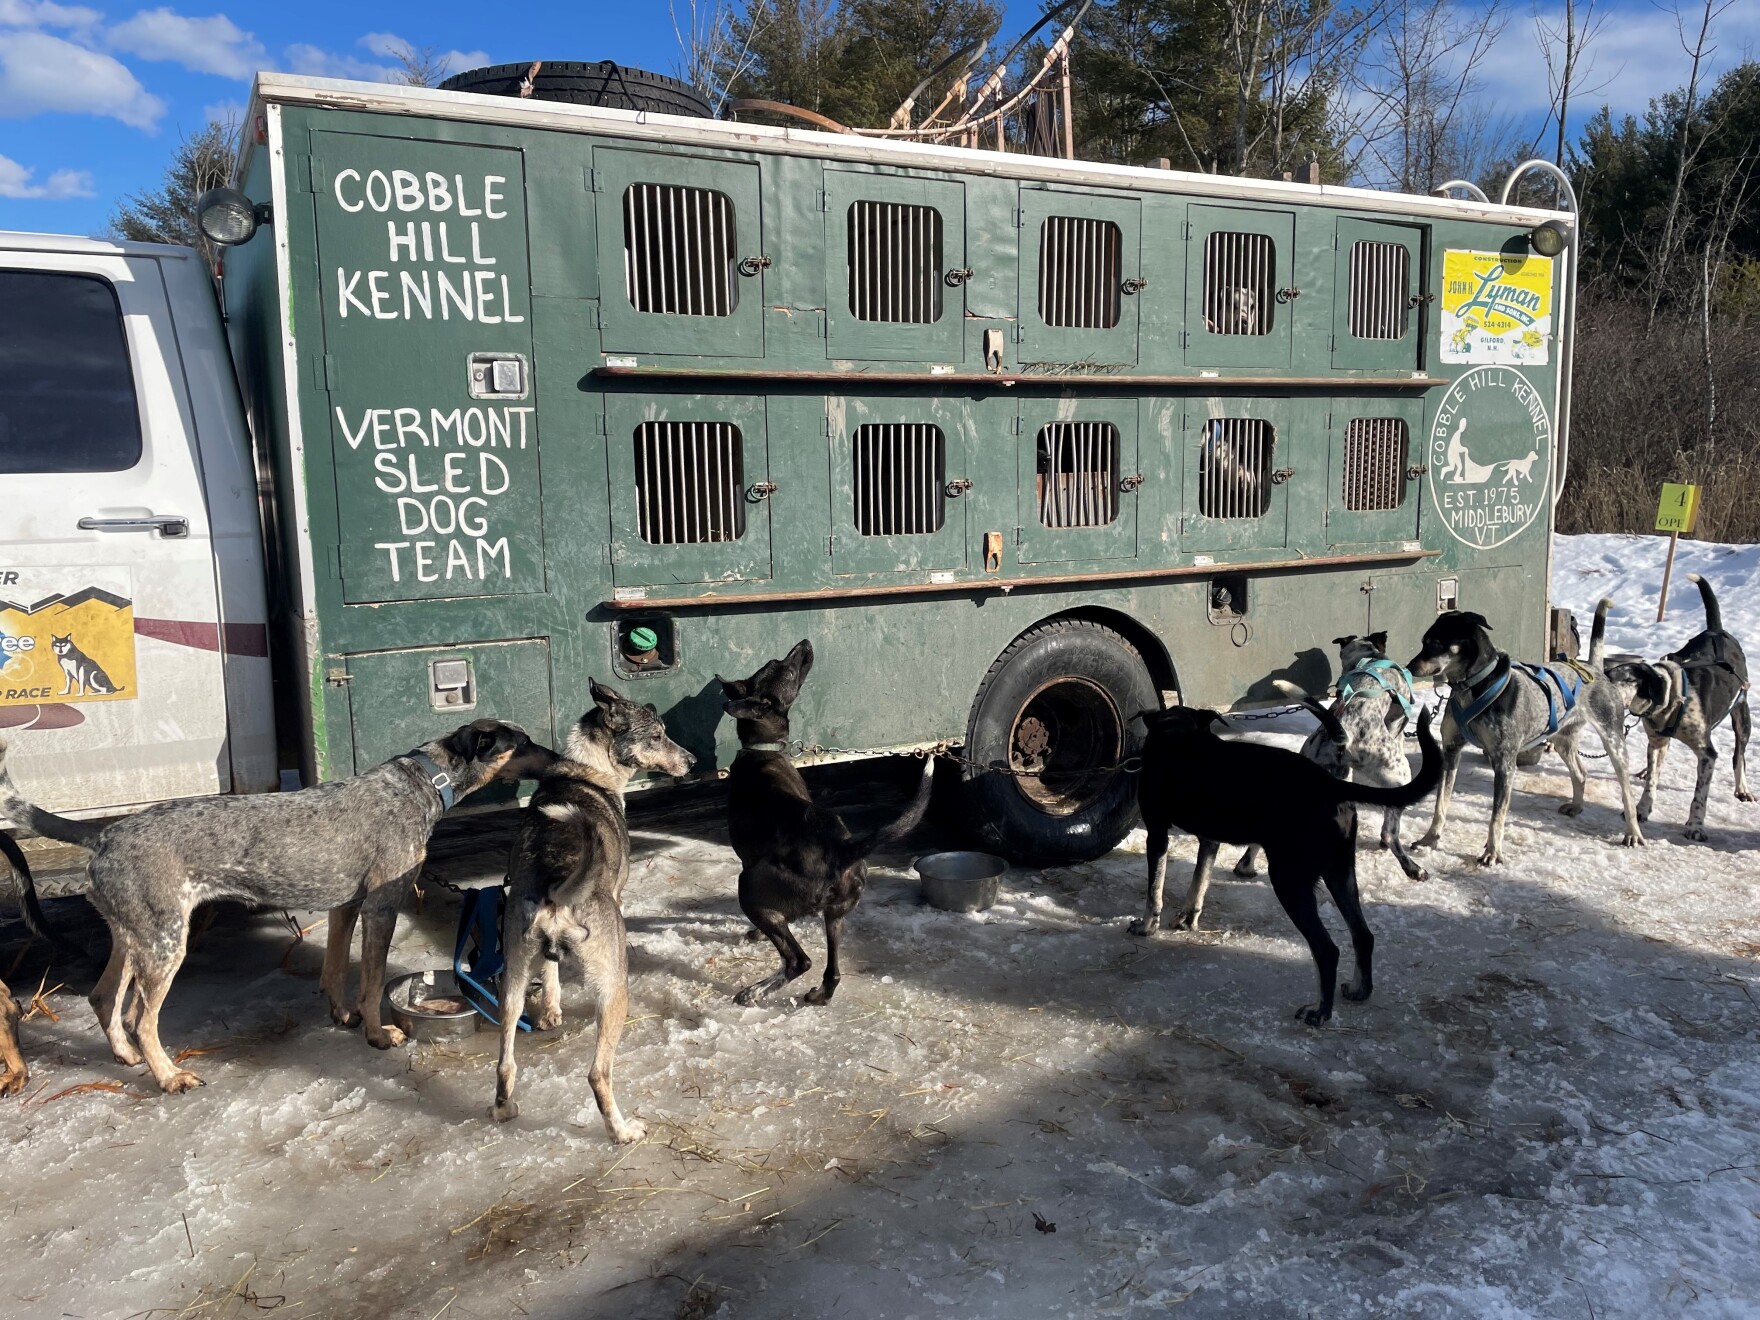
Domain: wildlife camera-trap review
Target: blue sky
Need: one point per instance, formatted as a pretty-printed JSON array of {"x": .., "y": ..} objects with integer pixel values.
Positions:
[{"x": 94, "y": 96}]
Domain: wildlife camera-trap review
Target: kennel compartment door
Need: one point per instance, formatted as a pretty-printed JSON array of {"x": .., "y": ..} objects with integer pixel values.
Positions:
[
  {"x": 682, "y": 261},
  {"x": 1241, "y": 467},
  {"x": 1378, "y": 295},
  {"x": 690, "y": 489},
  {"x": 895, "y": 268},
  {"x": 1241, "y": 289},
  {"x": 1080, "y": 277},
  {"x": 1078, "y": 480},
  {"x": 899, "y": 490},
  {"x": 401, "y": 699},
  {"x": 1374, "y": 480}
]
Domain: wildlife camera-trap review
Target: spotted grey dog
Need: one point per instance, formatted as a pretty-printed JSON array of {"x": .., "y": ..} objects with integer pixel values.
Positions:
[
  {"x": 1373, "y": 707},
  {"x": 354, "y": 846},
  {"x": 1685, "y": 696},
  {"x": 1505, "y": 708},
  {"x": 565, "y": 880}
]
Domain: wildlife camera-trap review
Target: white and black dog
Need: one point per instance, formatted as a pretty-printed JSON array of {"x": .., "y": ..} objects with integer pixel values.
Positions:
[
  {"x": 1373, "y": 706},
  {"x": 1684, "y": 696}
]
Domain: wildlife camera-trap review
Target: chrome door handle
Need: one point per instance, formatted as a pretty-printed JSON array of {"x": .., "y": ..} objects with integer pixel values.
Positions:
[{"x": 166, "y": 524}]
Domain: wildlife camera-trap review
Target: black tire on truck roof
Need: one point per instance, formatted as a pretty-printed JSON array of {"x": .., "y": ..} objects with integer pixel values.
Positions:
[{"x": 609, "y": 84}]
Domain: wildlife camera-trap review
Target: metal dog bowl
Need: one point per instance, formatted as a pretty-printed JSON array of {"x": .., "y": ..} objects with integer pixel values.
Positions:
[
  {"x": 961, "y": 881},
  {"x": 430, "y": 1006}
]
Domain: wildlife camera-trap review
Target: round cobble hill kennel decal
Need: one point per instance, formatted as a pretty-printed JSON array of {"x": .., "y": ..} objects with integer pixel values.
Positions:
[
  {"x": 66, "y": 634},
  {"x": 1490, "y": 456}
]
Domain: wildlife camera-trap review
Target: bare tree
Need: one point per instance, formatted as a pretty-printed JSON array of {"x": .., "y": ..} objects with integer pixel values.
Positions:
[
  {"x": 1415, "y": 90},
  {"x": 1564, "y": 45},
  {"x": 714, "y": 50},
  {"x": 419, "y": 66},
  {"x": 167, "y": 213},
  {"x": 1687, "y": 146}
]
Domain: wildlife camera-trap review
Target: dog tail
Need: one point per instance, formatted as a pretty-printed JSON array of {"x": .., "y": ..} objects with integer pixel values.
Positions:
[
  {"x": 1713, "y": 615},
  {"x": 16, "y": 811},
  {"x": 31, "y": 908},
  {"x": 1334, "y": 730},
  {"x": 1407, "y": 795},
  {"x": 1598, "y": 632},
  {"x": 854, "y": 850}
]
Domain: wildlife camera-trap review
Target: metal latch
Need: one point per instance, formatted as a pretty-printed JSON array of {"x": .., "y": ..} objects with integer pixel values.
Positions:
[
  {"x": 1415, "y": 471},
  {"x": 761, "y": 490},
  {"x": 497, "y": 376},
  {"x": 1288, "y": 295},
  {"x": 1134, "y": 285},
  {"x": 752, "y": 265},
  {"x": 1130, "y": 483},
  {"x": 1282, "y": 475},
  {"x": 954, "y": 278},
  {"x": 958, "y": 487},
  {"x": 451, "y": 685}
]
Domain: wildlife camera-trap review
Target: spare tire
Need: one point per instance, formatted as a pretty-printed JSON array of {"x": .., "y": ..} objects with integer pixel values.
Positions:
[{"x": 608, "y": 84}]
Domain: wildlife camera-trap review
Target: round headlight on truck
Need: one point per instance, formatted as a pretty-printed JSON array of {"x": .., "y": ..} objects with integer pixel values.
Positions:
[
  {"x": 228, "y": 217},
  {"x": 1550, "y": 238}
]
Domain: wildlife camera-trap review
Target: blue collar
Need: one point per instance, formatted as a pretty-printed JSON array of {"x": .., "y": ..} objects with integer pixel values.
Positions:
[
  {"x": 1381, "y": 671},
  {"x": 436, "y": 778}
]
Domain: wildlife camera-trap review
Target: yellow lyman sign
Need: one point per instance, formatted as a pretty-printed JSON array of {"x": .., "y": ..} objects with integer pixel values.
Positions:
[
  {"x": 1496, "y": 308},
  {"x": 1678, "y": 510},
  {"x": 67, "y": 646}
]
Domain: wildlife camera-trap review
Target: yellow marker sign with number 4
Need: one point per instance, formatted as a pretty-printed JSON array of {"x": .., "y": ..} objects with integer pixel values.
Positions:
[{"x": 1678, "y": 510}]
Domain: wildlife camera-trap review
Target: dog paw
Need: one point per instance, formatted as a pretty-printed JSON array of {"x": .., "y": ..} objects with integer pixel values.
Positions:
[
  {"x": 1570, "y": 808},
  {"x": 1428, "y": 840},
  {"x": 628, "y": 1132},
  {"x": 1188, "y": 919},
  {"x": 347, "y": 1018},
  {"x": 1245, "y": 869},
  {"x": 503, "y": 1110},
  {"x": 547, "y": 1020},
  {"x": 1744, "y": 797},
  {"x": 1643, "y": 812},
  {"x": 1694, "y": 833},
  {"x": 13, "y": 1082},
  {"x": 1416, "y": 872},
  {"x": 750, "y": 995},
  {"x": 128, "y": 1057},
  {"x": 1357, "y": 992},
  {"x": 1491, "y": 857},
  {"x": 1145, "y": 925},
  {"x": 387, "y": 1038},
  {"x": 753, "y": 935},
  {"x": 1312, "y": 1017},
  {"x": 180, "y": 1081},
  {"x": 1635, "y": 841},
  {"x": 819, "y": 994}
]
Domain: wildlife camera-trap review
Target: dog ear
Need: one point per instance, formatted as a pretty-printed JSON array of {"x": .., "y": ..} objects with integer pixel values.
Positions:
[
  {"x": 750, "y": 708},
  {"x": 1477, "y": 620},
  {"x": 1378, "y": 640},
  {"x": 602, "y": 695},
  {"x": 1347, "y": 639},
  {"x": 734, "y": 688}
]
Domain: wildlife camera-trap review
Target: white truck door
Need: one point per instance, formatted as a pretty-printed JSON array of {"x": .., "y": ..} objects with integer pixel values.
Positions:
[{"x": 111, "y": 688}]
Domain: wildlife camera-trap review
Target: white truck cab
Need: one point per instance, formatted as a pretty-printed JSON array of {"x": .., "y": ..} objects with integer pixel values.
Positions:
[{"x": 134, "y": 649}]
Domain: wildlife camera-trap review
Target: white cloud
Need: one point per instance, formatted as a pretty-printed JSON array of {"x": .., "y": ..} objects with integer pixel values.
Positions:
[
  {"x": 317, "y": 62},
  {"x": 40, "y": 72},
  {"x": 15, "y": 182},
  {"x": 224, "y": 112},
  {"x": 203, "y": 45},
  {"x": 45, "y": 14}
]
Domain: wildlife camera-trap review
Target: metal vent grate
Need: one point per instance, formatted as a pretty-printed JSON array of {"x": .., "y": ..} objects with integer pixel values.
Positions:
[
  {"x": 1234, "y": 467},
  {"x": 894, "y": 262},
  {"x": 678, "y": 250},
  {"x": 1375, "y": 463},
  {"x": 900, "y": 479},
  {"x": 690, "y": 482},
  {"x": 1079, "y": 272},
  {"x": 1380, "y": 290},
  {"x": 1077, "y": 472},
  {"x": 1239, "y": 271}
]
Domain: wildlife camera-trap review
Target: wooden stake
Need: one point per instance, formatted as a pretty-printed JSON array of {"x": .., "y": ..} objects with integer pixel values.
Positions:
[
  {"x": 1674, "y": 539},
  {"x": 1069, "y": 128}
]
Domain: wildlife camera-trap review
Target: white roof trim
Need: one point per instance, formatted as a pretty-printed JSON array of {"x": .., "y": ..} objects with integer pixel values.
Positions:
[{"x": 389, "y": 98}]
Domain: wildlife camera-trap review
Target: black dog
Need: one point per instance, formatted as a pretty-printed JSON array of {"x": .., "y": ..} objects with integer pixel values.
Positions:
[
  {"x": 1239, "y": 792},
  {"x": 1685, "y": 696},
  {"x": 796, "y": 860}
]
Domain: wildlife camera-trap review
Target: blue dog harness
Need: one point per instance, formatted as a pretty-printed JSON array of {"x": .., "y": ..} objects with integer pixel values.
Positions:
[
  {"x": 1562, "y": 684},
  {"x": 1381, "y": 671}
]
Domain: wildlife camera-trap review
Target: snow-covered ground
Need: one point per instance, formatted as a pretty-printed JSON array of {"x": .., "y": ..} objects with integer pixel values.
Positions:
[{"x": 1550, "y": 1108}]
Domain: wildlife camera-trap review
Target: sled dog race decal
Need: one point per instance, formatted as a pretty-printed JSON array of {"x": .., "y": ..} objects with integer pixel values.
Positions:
[{"x": 66, "y": 635}]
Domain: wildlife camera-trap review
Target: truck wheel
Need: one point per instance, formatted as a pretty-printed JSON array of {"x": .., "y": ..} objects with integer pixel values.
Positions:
[
  {"x": 607, "y": 84},
  {"x": 1057, "y": 705}
]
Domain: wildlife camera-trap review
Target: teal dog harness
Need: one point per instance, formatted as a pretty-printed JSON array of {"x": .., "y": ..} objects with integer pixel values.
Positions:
[{"x": 1382, "y": 672}]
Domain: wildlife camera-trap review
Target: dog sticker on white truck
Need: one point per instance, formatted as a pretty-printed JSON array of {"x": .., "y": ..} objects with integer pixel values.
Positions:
[{"x": 66, "y": 635}]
